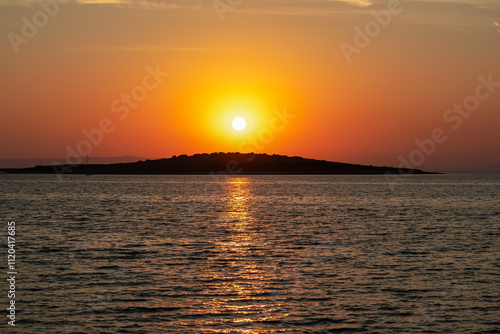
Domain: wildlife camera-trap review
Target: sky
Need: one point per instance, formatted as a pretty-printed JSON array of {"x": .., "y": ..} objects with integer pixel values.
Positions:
[{"x": 395, "y": 83}]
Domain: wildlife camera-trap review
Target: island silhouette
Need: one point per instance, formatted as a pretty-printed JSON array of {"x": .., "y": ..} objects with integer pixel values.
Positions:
[{"x": 220, "y": 163}]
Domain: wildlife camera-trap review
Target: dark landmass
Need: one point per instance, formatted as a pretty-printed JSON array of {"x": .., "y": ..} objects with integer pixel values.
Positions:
[
  {"x": 219, "y": 163},
  {"x": 25, "y": 163}
]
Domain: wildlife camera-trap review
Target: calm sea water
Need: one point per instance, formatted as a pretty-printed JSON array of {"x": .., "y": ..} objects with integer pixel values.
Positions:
[{"x": 254, "y": 254}]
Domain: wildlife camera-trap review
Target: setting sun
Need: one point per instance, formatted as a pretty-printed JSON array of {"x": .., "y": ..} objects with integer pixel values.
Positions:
[{"x": 239, "y": 124}]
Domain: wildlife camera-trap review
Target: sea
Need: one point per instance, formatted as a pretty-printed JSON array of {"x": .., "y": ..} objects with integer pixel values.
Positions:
[{"x": 251, "y": 254}]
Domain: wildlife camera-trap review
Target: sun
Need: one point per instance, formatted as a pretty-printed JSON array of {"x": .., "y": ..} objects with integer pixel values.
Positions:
[{"x": 239, "y": 124}]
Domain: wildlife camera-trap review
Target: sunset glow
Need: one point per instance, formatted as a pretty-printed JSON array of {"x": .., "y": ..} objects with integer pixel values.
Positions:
[{"x": 366, "y": 80}]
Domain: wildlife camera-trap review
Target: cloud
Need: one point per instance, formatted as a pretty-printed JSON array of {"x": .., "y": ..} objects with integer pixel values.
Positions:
[
  {"x": 98, "y": 48},
  {"x": 360, "y": 3},
  {"x": 147, "y": 4},
  {"x": 276, "y": 4},
  {"x": 456, "y": 14},
  {"x": 497, "y": 25},
  {"x": 100, "y": 2}
]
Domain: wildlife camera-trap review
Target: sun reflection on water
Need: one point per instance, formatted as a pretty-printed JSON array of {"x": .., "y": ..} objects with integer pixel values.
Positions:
[{"x": 240, "y": 276}]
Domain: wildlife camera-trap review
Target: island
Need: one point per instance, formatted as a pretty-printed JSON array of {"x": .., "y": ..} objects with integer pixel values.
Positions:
[{"x": 219, "y": 163}]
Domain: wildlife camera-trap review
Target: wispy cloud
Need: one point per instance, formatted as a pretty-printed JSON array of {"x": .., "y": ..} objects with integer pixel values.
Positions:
[
  {"x": 311, "y": 4},
  {"x": 361, "y": 3},
  {"x": 93, "y": 2},
  {"x": 142, "y": 48},
  {"x": 497, "y": 25},
  {"x": 453, "y": 13},
  {"x": 148, "y": 4}
]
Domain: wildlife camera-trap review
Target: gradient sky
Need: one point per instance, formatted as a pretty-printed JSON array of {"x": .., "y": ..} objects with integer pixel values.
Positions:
[{"x": 264, "y": 57}]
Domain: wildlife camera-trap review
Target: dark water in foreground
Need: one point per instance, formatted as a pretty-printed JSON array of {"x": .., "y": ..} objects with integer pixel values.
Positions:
[{"x": 258, "y": 254}]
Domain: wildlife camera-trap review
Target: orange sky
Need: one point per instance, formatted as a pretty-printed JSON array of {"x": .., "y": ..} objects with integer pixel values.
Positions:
[{"x": 266, "y": 58}]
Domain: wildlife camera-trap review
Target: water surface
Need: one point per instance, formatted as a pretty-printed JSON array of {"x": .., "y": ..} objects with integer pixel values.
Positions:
[{"x": 255, "y": 254}]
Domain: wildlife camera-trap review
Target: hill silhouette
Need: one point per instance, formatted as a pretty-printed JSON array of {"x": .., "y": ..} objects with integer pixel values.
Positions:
[{"x": 221, "y": 163}]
